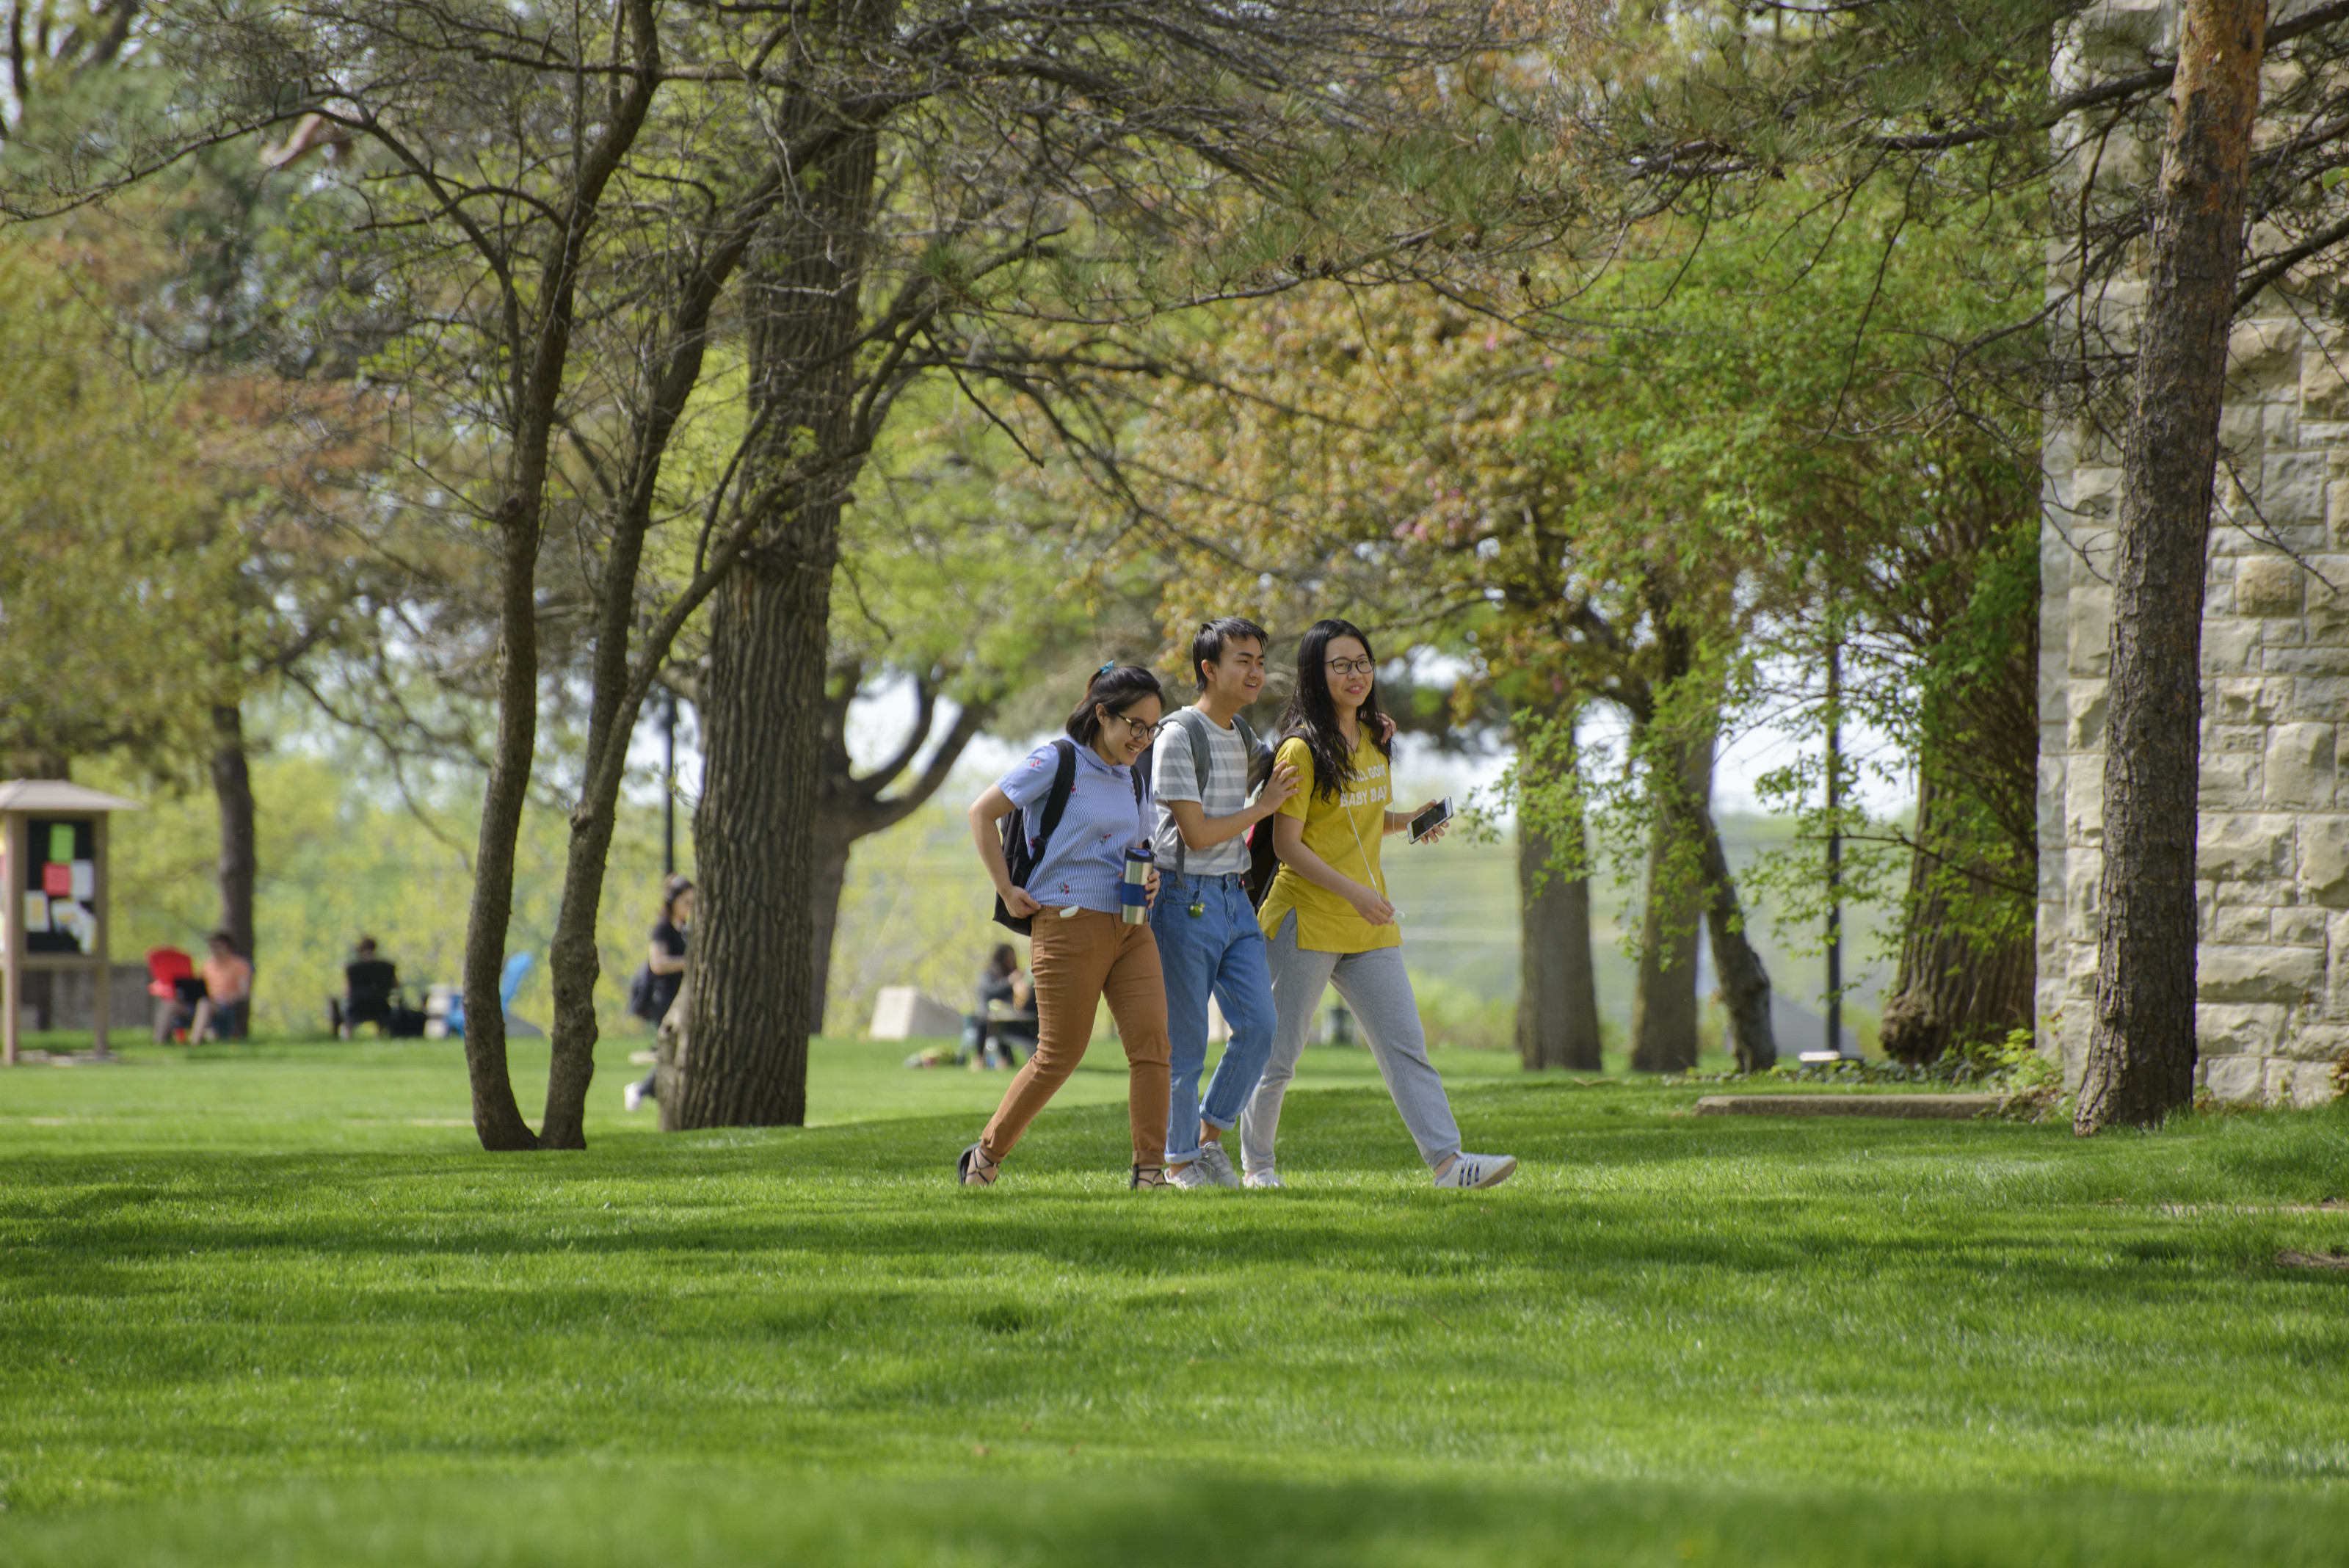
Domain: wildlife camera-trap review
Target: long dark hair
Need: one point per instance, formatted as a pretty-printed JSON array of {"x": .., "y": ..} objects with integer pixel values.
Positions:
[
  {"x": 1312, "y": 716},
  {"x": 1116, "y": 688}
]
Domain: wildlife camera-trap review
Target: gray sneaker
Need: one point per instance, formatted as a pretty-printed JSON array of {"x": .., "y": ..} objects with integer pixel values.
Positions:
[
  {"x": 1215, "y": 1166},
  {"x": 1188, "y": 1175}
]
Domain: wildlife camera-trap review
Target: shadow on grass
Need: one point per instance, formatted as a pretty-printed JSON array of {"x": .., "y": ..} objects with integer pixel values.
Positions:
[{"x": 681, "y": 1520}]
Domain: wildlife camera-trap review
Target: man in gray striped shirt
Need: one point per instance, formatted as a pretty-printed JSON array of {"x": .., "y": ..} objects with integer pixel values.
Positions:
[{"x": 1208, "y": 940}]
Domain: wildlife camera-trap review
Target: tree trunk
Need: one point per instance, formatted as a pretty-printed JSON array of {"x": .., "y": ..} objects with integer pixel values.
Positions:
[
  {"x": 1665, "y": 1008},
  {"x": 541, "y": 356},
  {"x": 751, "y": 972},
  {"x": 497, "y": 1116},
  {"x": 1557, "y": 993},
  {"x": 1949, "y": 991},
  {"x": 833, "y": 841},
  {"x": 232, "y": 789},
  {"x": 2141, "y": 1052},
  {"x": 1745, "y": 983}
]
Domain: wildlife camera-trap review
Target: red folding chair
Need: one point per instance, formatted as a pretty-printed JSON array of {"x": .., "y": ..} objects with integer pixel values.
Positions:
[{"x": 166, "y": 968}]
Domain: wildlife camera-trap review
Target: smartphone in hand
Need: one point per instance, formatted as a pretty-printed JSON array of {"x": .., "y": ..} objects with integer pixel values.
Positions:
[{"x": 1433, "y": 817}]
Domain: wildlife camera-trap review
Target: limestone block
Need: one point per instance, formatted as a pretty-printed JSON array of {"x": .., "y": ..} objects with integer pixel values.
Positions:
[
  {"x": 2243, "y": 846},
  {"x": 2296, "y": 925},
  {"x": 2337, "y": 511},
  {"x": 2297, "y": 769},
  {"x": 2279, "y": 425},
  {"x": 2291, "y": 631},
  {"x": 2239, "y": 923},
  {"x": 2325, "y": 860},
  {"x": 2314, "y": 1083},
  {"x": 2323, "y": 391},
  {"x": 2084, "y": 716},
  {"x": 2096, "y": 493},
  {"x": 2228, "y": 645},
  {"x": 2050, "y": 801},
  {"x": 2241, "y": 427},
  {"x": 2275, "y": 1081},
  {"x": 2054, "y": 556},
  {"x": 2230, "y": 780},
  {"x": 2325, "y": 1042},
  {"x": 2326, "y": 622},
  {"x": 2235, "y": 1079},
  {"x": 2278, "y": 657},
  {"x": 2237, "y": 737},
  {"x": 2083, "y": 805},
  {"x": 2093, "y": 566},
  {"x": 2088, "y": 638},
  {"x": 2292, "y": 488},
  {"x": 2261, "y": 353},
  {"x": 2249, "y": 700},
  {"x": 2224, "y": 973},
  {"x": 2264, "y": 586},
  {"x": 2080, "y": 907},
  {"x": 2336, "y": 968},
  {"x": 2238, "y": 1028},
  {"x": 2318, "y": 698}
]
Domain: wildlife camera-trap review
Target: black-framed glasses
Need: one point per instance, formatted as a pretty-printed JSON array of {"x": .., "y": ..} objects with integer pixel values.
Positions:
[
  {"x": 1147, "y": 731},
  {"x": 1352, "y": 666}
]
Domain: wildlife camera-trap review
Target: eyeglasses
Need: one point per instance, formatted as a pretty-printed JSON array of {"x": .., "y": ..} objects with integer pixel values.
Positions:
[
  {"x": 1352, "y": 666},
  {"x": 1147, "y": 731}
]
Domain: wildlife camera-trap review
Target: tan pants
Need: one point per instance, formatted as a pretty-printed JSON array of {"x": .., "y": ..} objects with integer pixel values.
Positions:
[{"x": 1077, "y": 962}]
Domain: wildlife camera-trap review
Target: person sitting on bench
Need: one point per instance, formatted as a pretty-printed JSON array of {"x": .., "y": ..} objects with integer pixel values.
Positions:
[{"x": 228, "y": 989}]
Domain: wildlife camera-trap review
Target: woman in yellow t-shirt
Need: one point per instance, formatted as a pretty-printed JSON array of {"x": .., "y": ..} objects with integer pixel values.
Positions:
[{"x": 1326, "y": 917}]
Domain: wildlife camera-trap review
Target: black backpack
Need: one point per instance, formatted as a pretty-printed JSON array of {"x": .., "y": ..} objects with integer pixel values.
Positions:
[{"x": 1019, "y": 856}]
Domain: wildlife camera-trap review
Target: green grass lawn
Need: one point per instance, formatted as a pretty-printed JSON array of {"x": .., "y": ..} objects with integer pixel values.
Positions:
[{"x": 268, "y": 1303}]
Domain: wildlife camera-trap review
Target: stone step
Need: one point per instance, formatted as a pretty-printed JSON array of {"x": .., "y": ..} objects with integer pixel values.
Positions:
[{"x": 1919, "y": 1108}]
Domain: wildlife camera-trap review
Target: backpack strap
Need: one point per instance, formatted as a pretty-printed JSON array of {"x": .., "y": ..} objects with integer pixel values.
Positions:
[
  {"x": 1259, "y": 756},
  {"x": 1195, "y": 727},
  {"x": 1056, "y": 799}
]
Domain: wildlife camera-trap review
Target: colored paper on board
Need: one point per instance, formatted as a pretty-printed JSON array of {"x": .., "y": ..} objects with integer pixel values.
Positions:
[
  {"x": 61, "y": 841},
  {"x": 85, "y": 880},
  {"x": 57, "y": 880},
  {"x": 37, "y": 911}
]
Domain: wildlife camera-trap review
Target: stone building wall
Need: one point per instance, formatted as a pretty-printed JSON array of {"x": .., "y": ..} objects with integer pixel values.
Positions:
[{"x": 2272, "y": 871}]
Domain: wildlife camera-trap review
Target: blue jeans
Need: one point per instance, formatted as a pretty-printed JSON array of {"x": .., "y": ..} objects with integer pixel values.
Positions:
[{"x": 1219, "y": 951}]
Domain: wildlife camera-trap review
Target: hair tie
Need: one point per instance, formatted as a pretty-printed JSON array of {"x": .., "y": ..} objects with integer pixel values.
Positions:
[{"x": 1105, "y": 668}]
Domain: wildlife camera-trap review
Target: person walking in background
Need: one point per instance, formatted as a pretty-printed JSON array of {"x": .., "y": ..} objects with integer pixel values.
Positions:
[
  {"x": 228, "y": 992},
  {"x": 1080, "y": 949},
  {"x": 1328, "y": 925},
  {"x": 1002, "y": 986},
  {"x": 1209, "y": 943},
  {"x": 664, "y": 967}
]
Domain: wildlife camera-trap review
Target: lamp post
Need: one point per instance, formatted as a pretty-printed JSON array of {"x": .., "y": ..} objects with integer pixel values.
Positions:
[
  {"x": 668, "y": 785},
  {"x": 1834, "y": 847}
]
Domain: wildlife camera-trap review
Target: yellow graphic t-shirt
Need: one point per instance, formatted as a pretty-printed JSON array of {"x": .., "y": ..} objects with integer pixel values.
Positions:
[{"x": 1345, "y": 831}]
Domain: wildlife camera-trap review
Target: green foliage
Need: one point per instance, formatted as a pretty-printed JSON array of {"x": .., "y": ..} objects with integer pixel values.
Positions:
[{"x": 116, "y": 592}]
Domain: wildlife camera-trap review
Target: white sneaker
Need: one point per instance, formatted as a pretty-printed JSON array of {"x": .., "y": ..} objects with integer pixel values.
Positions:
[
  {"x": 1479, "y": 1170},
  {"x": 1216, "y": 1164},
  {"x": 1188, "y": 1175},
  {"x": 1265, "y": 1177},
  {"x": 633, "y": 1095}
]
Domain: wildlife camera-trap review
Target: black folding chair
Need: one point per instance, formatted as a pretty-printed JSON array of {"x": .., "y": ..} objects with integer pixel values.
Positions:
[{"x": 371, "y": 995}]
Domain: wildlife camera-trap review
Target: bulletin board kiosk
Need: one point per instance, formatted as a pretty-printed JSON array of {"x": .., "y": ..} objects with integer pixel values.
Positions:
[{"x": 53, "y": 869}]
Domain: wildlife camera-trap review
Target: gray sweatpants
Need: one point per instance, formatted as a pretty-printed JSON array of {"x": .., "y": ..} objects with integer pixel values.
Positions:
[{"x": 1376, "y": 986}]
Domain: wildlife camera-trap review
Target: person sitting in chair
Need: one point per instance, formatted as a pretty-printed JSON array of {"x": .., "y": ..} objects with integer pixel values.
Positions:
[
  {"x": 1006, "y": 1019},
  {"x": 228, "y": 988},
  {"x": 370, "y": 993}
]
